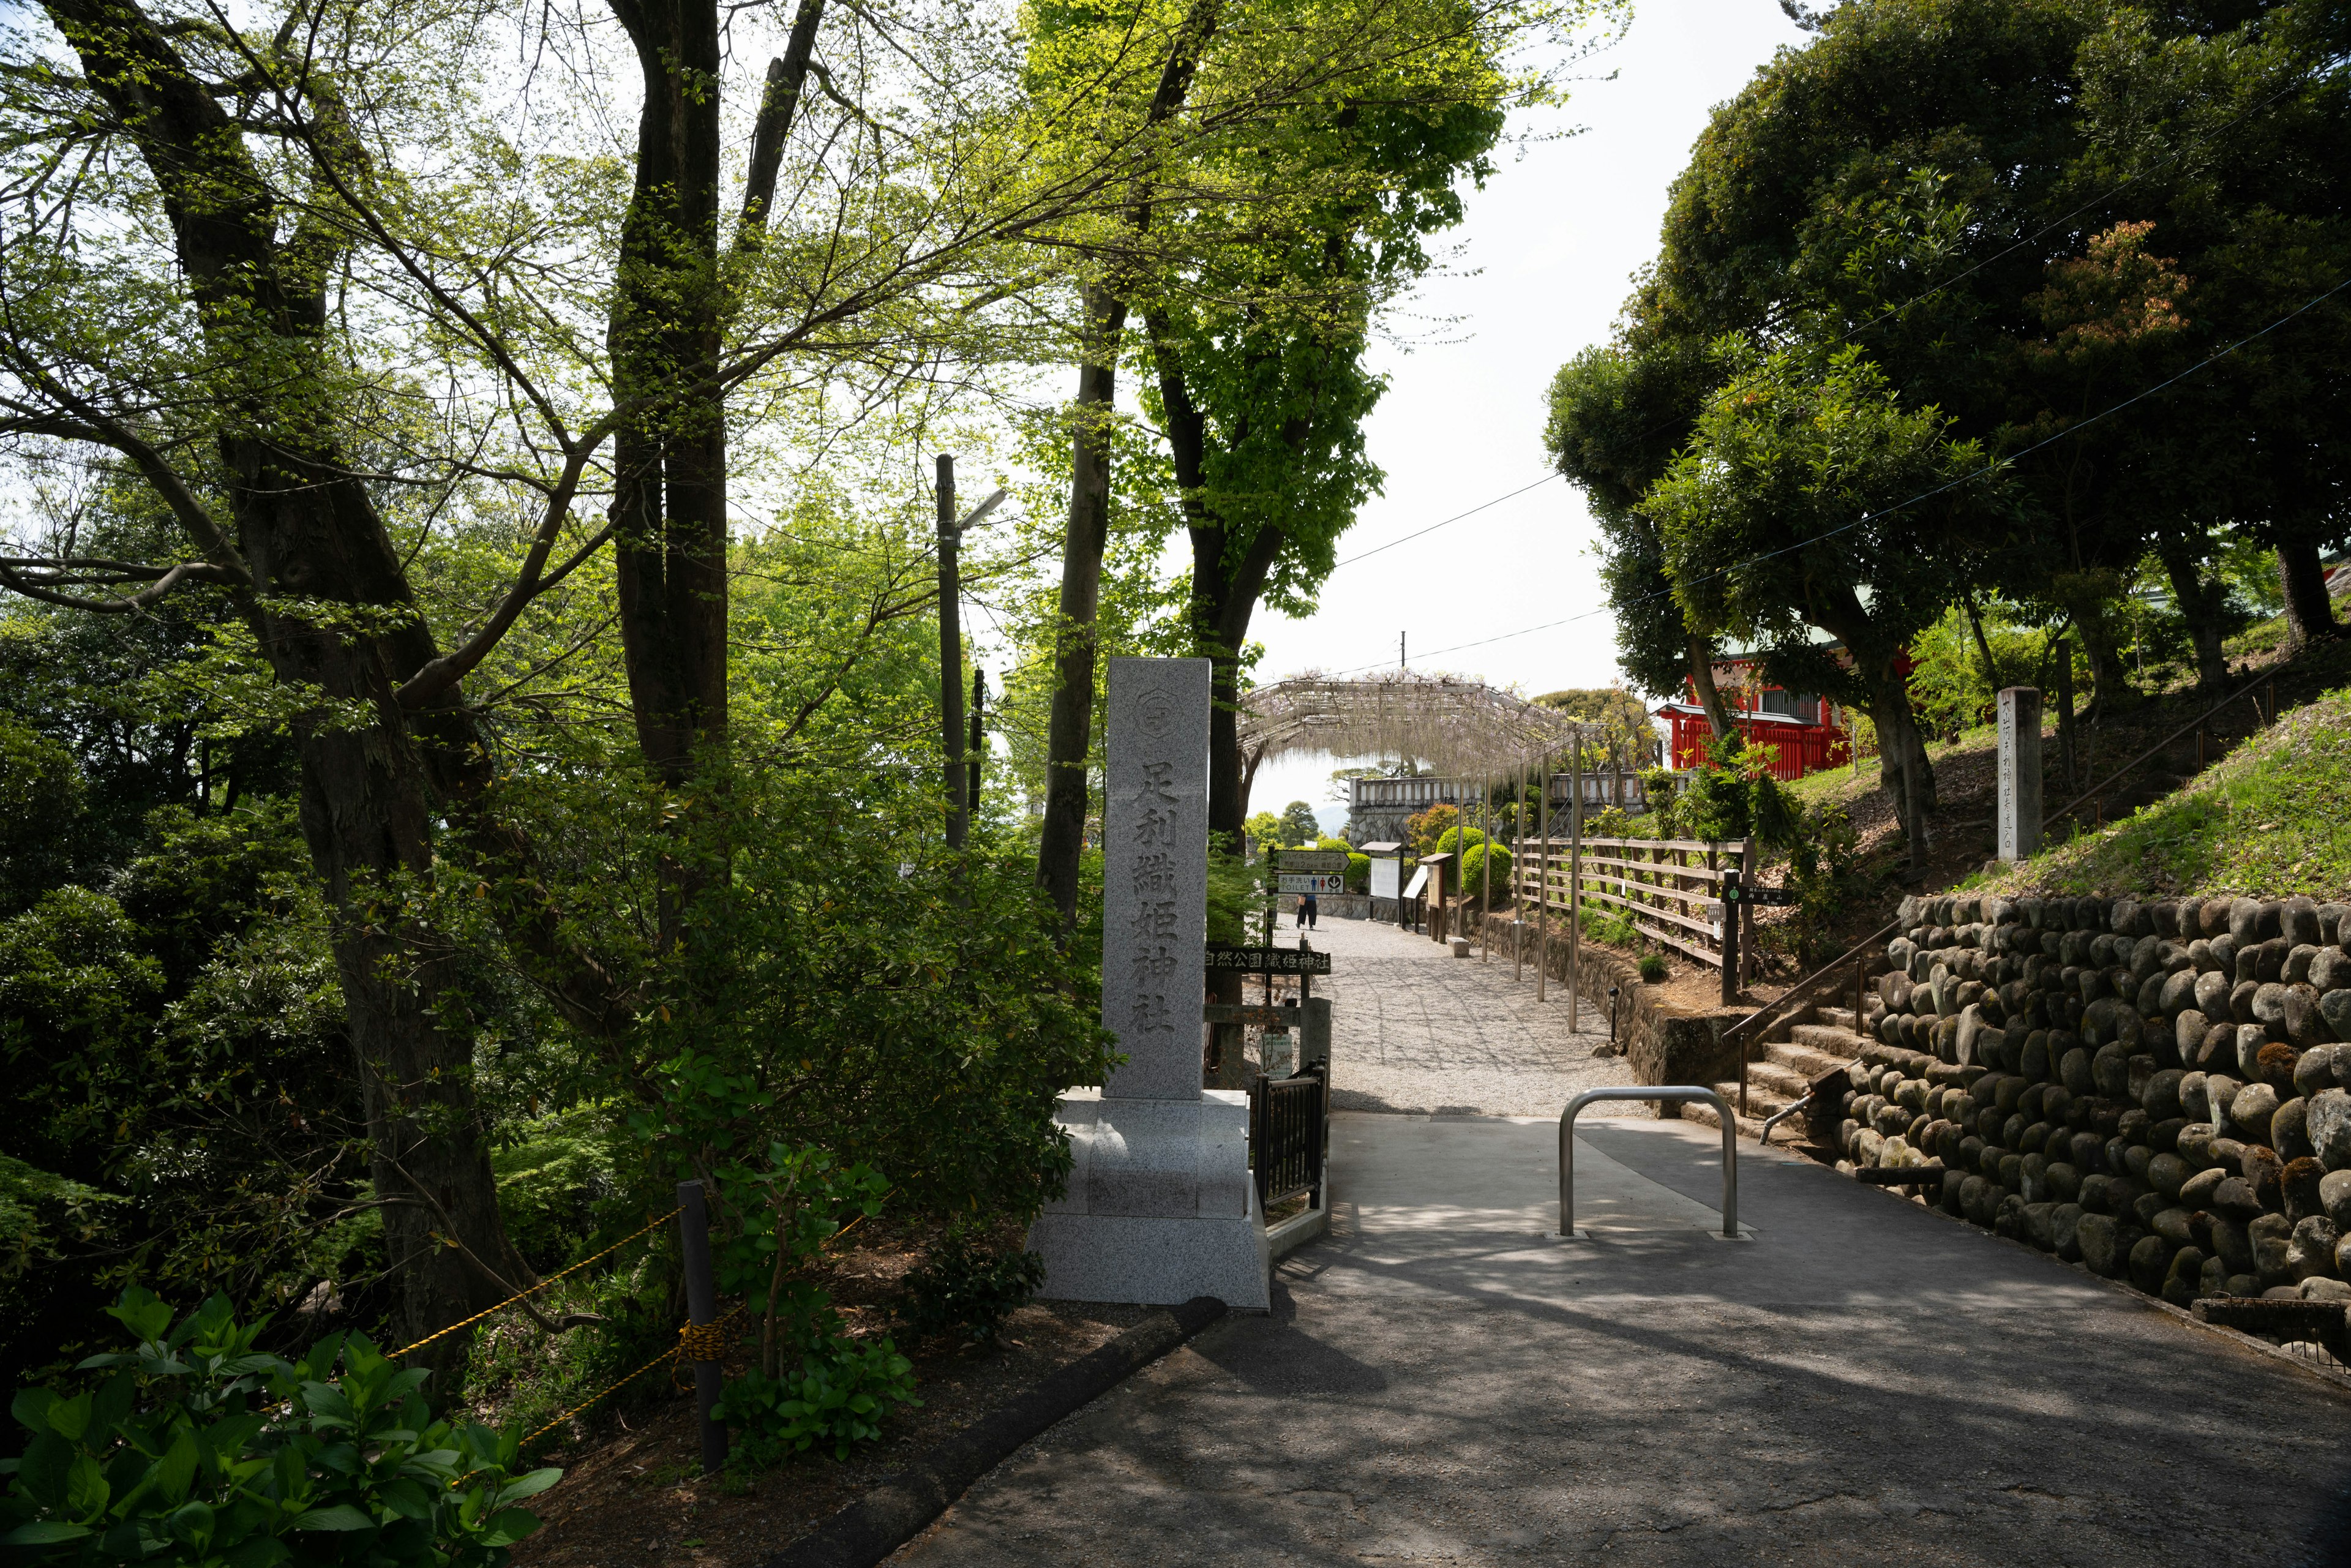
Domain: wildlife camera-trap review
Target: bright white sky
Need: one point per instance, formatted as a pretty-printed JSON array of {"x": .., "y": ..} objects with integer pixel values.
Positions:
[{"x": 1550, "y": 246}]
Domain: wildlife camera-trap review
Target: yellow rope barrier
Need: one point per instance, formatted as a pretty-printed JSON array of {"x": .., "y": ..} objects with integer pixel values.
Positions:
[
  {"x": 543, "y": 1284},
  {"x": 591, "y": 1399}
]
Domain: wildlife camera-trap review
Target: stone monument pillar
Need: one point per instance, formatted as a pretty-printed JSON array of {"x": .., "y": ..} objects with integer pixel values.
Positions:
[
  {"x": 1160, "y": 1206},
  {"x": 2019, "y": 772}
]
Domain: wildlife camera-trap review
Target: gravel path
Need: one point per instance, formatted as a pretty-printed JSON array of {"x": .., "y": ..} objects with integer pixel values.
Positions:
[{"x": 1415, "y": 1030}]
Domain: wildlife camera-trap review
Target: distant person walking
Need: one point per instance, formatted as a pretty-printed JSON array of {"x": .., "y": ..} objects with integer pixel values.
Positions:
[{"x": 1306, "y": 911}]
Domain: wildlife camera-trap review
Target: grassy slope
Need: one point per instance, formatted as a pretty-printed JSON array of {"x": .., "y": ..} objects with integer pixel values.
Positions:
[{"x": 2272, "y": 819}]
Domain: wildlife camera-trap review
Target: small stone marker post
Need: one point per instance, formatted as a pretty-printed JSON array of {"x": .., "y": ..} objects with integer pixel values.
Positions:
[
  {"x": 2020, "y": 773},
  {"x": 1160, "y": 1206}
]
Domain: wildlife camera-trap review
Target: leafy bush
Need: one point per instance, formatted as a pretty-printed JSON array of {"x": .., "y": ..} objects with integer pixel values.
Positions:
[
  {"x": 1825, "y": 871},
  {"x": 1474, "y": 871},
  {"x": 1450, "y": 842},
  {"x": 1359, "y": 874},
  {"x": 968, "y": 1287},
  {"x": 1613, "y": 926},
  {"x": 836, "y": 1396},
  {"x": 552, "y": 1185},
  {"x": 1653, "y": 968},
  {"x": 200, "y": 1450},
  {"x": 1733, "y": 796},
  {"x": 814, "y": 1383},
  {"x": 1424, "y": 827}
]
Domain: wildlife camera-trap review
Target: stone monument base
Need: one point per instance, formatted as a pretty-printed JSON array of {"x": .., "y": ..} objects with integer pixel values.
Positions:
[{"x": 1160, "y": 1206}]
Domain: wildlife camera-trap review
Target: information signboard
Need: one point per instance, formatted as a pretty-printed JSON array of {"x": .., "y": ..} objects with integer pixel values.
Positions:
[
  {"x": 1419, "y": 883},
  {"x": 1310, "y": 882},
  {"x": 1386, "y": 876}
]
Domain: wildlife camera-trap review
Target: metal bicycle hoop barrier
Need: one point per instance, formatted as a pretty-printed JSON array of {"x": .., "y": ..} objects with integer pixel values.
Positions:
[{"x": 1648, "y": 1092}]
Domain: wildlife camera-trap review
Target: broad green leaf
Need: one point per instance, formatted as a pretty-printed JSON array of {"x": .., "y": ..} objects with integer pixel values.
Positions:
[
  {"x": 530, "y": 1485},
  {"x": 341, "y": 1516},
  {"x": 43, "y": 1532}
]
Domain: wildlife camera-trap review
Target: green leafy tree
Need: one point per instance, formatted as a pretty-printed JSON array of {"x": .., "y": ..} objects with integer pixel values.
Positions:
[{"x": 1299, "y": 824}]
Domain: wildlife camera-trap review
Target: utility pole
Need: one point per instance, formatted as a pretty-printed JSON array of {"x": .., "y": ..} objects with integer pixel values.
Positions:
[
  {"x": 1399, "y": 650},
  {"x": 979, "y": 738},
  {"x": 951, "y": 655},
  {"x": 953, "y": 765}
]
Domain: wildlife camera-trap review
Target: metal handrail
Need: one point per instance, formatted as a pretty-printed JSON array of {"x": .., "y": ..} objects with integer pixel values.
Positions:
[
  {"x": 1648, "y": 1092},
  {"x": 1802, "y": 994},
  {"x": 1782, "y": 1115}
]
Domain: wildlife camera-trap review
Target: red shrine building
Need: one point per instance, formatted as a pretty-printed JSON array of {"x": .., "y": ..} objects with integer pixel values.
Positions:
[{"x": 1803, "y": 733}]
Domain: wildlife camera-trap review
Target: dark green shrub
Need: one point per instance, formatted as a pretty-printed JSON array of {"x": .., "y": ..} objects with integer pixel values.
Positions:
[
  {"x": 1473, "y": 871},
  {"x": 200, "y": 1450},
  {"x": 814, "y": 1383},
  {"x": 968, "y": 1288},
  {"x": 1653, "y": 968},
  {"x": 1450, "y": 841},
  {"x": 835, "y": 1397}
]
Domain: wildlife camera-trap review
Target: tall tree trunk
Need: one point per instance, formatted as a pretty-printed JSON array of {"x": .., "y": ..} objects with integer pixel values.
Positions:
[
  {"x": 1701, "y": 665},
  {"x": 309, "y": 534},
  {"x": 2110, "y": 688},
  {"x": 670, "y": 478},
  {"x": 2309, "y": 613},
  {"x": 2203, "y": 605},
  {"x": 1068, "y": 737}
]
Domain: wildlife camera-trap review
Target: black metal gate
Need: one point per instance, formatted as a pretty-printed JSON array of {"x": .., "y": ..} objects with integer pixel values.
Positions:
[{"x": 1286, "y": 1117}]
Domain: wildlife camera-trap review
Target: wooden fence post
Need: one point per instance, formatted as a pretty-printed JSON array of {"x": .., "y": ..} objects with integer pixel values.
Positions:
[{"x": 701, "y": 1310}]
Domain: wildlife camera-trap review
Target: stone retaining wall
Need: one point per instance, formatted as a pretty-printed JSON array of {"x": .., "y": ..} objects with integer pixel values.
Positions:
[
  {"x": 1662, "y": 1044},
  {"x": 2161, "y": 1091}
]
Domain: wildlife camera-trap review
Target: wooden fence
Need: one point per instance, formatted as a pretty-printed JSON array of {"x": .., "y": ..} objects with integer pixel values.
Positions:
[{"x": 1670, "y": 888}]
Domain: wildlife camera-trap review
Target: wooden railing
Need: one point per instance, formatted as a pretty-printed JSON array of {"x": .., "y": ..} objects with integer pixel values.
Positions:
[{"x": 1670, "y": 889}]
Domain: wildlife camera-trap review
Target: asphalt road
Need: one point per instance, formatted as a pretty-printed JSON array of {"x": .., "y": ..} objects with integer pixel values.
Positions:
[{"x": 1861, "y": 1381}]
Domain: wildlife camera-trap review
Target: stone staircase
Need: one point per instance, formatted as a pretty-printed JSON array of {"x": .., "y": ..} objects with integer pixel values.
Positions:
[{"x": 1796, "y": 1050}]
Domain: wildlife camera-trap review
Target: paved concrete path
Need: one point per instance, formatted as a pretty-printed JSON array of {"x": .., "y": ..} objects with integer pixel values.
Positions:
[
  {"x": 1446, "y": 1381},
  {"x": 1414, "y": 1029}
]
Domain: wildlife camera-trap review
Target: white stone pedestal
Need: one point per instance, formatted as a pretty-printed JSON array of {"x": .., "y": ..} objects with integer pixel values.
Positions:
[{"x": 1160, "y": 1209}]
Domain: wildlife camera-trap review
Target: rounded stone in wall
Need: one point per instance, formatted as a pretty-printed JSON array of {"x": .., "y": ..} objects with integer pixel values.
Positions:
[
  {"x": 2197, "y": 1191},
  {"x": 2096, "y": 1235},
  {"x": 2150, "y": 1259},
  {"x": 2232, "y": 1243},
  {"x": 2064, "y": 1231},
  {"x": 2270, "y": 1234},
  {"x": 2289, "y": 1134},
  {"x": 2314, "y": 1070},
  {"x": 2309, "y": 1250},
  {"x": 2212, "y": 989},
  {"x": 2109, "y": 1071},
  {"x": 2184, "y": 1278},
  {"x": 2327, "y": 1124},
  {"x": 2301, "y": 1190},
  {"x": 2252, "y": 1109},
  {"x": 2304, "y": 1025}
]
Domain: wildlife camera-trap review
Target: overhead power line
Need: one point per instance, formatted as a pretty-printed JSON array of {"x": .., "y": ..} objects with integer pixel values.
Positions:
[
  {"x": 1366, "y": 555},
  {"x": 1990, "y": 467}
]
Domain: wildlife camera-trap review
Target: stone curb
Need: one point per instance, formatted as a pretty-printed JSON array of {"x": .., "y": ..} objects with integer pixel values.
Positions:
[
  {"x": 2133, "y": 1294},
  {"x": 900, "y": 1506}
]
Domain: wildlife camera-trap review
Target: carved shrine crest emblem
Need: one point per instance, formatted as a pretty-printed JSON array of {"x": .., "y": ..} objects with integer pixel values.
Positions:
[{"x": 1155, "y": 714}]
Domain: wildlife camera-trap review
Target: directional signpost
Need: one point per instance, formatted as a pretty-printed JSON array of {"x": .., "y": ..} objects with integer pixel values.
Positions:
[{"x": 1311, "y": 871}]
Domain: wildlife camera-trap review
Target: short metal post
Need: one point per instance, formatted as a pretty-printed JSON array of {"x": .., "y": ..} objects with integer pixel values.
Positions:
[
  {"x": 1648, "y": 1092},
  {"x": 702, "y": 1308}
]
